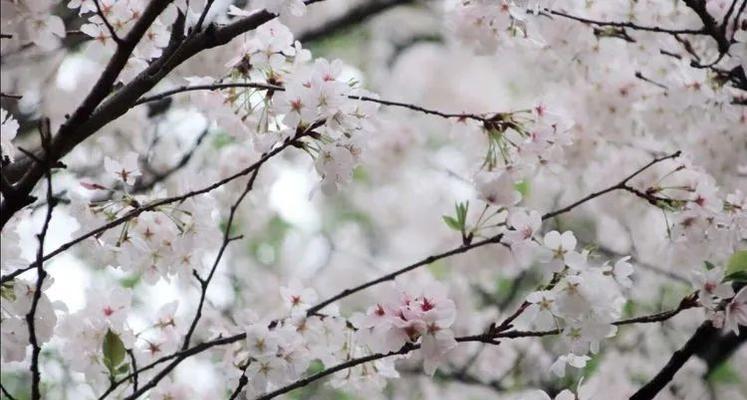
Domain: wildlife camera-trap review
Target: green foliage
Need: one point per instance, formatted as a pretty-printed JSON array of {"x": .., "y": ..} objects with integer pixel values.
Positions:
[
  {"x": 360, "y": 175},
  {"x": 724, "y": 374},
  {"x": 114, "y": 354},
  {"x": 522, "y": 187},
  {"x": 130, "y": 281},
  {"x": 736, "y": 267},
  {"x": 629, "y": 309},
  {"x": 6, "y": 291},
  {"x": 315, "y": 367},
  {"x": 459, "y": 221},
  {"x": 222, "y": 139},
  {"x": 272, "y": 236}
]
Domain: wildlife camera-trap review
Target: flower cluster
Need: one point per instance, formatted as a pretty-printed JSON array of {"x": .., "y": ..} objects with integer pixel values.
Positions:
[
  {"x": 299, "y": 99},
  {"x": 17, "y": 298},
  {"x": 583, "y": 299},
  {"x": 489, "y": 24},
  {"x": 703, "y": 218},
  {"x": 167, "y": 242},
  {"x": 716, "y": 294},
  {"x": 117, "y": 17},
  {"x": 424, "y": 316}
]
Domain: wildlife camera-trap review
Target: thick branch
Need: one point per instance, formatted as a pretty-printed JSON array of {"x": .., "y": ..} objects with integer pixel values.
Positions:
[
  {"x": 85, "y": 121},
  {"x": 697, "y": 341}
]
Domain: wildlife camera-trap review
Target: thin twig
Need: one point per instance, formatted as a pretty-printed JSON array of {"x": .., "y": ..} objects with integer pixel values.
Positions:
[
  {"x": 134, "y": 369},
  {"x": 487, "y": 118},
  {"x": 626, "y": 24},
  {"x": 205, "y": 282},
  {"x": 493, "y": 239},
  {"x": 154, "y": 205},
  {"x": 44, "y": 131},
  {"x": 6, "y": 393},
  {"x": 696, "y": 342},
  {"x": 109, "y": 26},
  {"x": 243, "y": 381},
  {"x": 11, "y": 96}
]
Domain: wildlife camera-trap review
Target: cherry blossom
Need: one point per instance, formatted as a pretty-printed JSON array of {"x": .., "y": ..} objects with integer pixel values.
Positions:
[
  {"x": 8, "y": 130},
  {"x": 736, "y": 312},
  {"x": 125, "y": 170}
]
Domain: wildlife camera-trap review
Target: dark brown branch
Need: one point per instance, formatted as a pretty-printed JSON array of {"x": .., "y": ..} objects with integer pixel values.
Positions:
[
  {"x": 493, "y": 239},
  {"x": 109, "y": 27},
  {"x": 180, "y": 356},
  {"x": 620, "y": 186},
  {"x": 211, "y": 87},
  {"x": 152, "y": 206},
  {"x": 65, "y": 139},
  {"x": 201, "y": 20},
  {"x": 710, "y": 25},
  {"x": 697, "y": 341},
  {"x": 409, "y": 347},
  {"x": 270, "y": 87},
  {"x": 352, "y": 17},
  {"x": 94, "y": 113},
  {"x": 6, "y": 393},
  {"x": 243, "y": 381},
  {"x": 627, "y": 24},
  {"x": 145, "y": 185},
  {"x": 134, "y": 369},
  {"x": 11, "y": 96},
  {"x": 393, "y": 275},
  {"x": 45, "y": 133}
]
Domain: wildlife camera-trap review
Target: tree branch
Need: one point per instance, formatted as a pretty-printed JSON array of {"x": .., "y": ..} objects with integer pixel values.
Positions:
[
  {"x": 353, "y": 16},
  {"x": 626, "y": 24},
  {"x": 484, "y": 118},
  {"x": 696, "y": 342},
  {"x": 493, "y": 239},
  {"x": 109, "y": 26},
  {"x": 154, "y": 205},
  {"x": 204, "y": 283},
  {"x": 86, "y": 121},
  {"x": 45, "y": 133}
]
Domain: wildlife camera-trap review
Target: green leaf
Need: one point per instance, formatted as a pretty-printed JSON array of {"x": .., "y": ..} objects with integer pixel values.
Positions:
[
  {"x": 114, "y": 352},
  {"x": 461, "y": 213},
  {"x": 222, "y": 139},
  {"x": 737, "y": 262},
  {"x": 522, "y": 187},
  {"x": 7, "y": 292},
  {"x": 738, "y": 276},
  {"x": 709, "y": 265},
  {"x": 452, "y": 223},
  {"x": 123, "y": 369},
  {"x": 315, "y": 367}
]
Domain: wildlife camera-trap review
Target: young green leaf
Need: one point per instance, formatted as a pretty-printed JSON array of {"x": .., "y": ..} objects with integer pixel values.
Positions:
[
  {"x": 114, "y": 352},
  {"x": 452, "y": 223}
]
